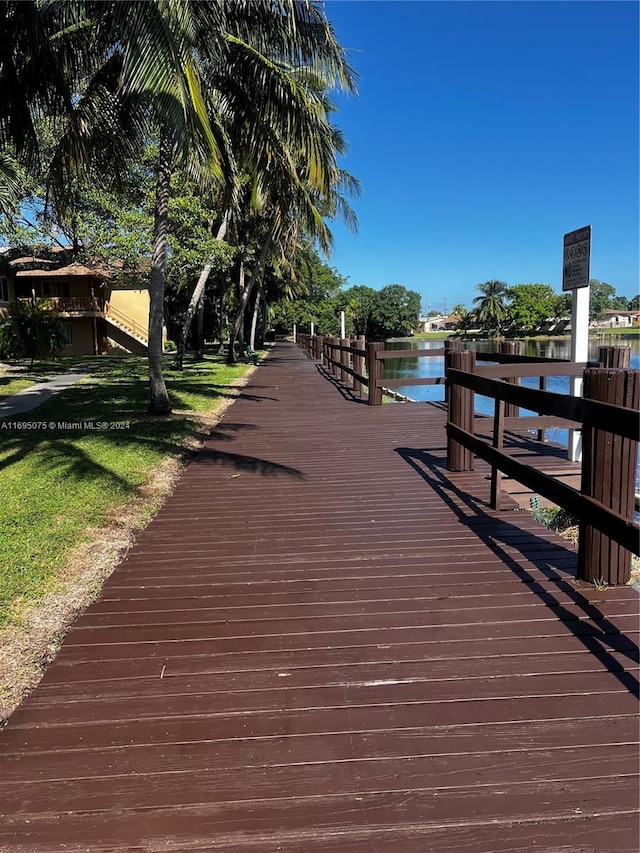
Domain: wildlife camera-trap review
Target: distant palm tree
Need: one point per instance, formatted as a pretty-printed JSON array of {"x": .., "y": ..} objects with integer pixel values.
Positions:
[
  {"x": 466, "y": 320},
  {"x": 492, "y": 310}
]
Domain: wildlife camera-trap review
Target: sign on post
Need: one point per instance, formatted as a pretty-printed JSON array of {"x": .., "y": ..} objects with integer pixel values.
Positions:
[
  {"x": 575, "y": 277},
  {"x": 577, "y": 256}
]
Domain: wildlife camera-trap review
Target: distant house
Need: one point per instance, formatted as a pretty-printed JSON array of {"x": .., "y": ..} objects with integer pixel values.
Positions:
[
  {"x": 619, "y": 319},
  {"x": 98, "y": 314},
  {"x": 439, "y": 324}
]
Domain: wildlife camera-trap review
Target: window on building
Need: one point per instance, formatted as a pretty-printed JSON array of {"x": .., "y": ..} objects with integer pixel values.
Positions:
[
  {"x": 67, "y": 331},
  {"x": 54, "y": 289},
  {"x": 4, "y": 289}
]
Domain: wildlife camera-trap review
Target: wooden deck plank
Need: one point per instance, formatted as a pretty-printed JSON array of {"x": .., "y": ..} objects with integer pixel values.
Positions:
[
  {"x": 326, "y": 643},
  {"x": 389, "y": 822}
]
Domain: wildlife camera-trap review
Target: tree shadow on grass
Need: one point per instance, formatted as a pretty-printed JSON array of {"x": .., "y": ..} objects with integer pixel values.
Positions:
[
  {"x": 602, "y": 638},
  {"x": 64, "y": 427},
  {"x": 69, "y": 462}
]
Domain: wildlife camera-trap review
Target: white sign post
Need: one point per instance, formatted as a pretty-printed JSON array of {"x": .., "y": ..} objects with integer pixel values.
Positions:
[
  {"x": 342, "y": 325},
  {"x": 575, "y": 277}
]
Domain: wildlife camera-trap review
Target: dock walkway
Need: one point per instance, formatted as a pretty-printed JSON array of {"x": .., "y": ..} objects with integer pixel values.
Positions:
[{"x": 326, "y": 643}]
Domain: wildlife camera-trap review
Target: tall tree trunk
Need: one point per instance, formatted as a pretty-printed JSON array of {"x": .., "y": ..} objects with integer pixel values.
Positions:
[
  {"x": 264, "y": 322},
  {"x": 233, "y": 334},
  {"x": 254, "y": 318},
  {"x": 221, "y": 324},
  {"x": 200, "y": 331},
  {"x": 198, "y": 294},
  {"x": 159, "y": 398},
  {"x": 246, "y": 293}
]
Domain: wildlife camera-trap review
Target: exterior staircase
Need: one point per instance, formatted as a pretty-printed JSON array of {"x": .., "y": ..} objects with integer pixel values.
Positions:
[{"x": 125, "y": 324}]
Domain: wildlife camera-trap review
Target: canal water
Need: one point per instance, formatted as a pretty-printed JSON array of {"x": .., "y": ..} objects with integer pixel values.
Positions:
[{"x": 432, "y": 367}]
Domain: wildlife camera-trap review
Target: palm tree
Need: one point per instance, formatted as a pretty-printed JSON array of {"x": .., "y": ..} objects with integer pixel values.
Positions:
[
  {"x": 293, "y": 210},
  {"x": 492, "y": 311},
  {"x": 289, "y": 79},
  {"x": 150, "y": 64},
  {"x": 465, "y": 320},
  {"x": 134, "y": 64},
  {"x": 10, "y": 186}
]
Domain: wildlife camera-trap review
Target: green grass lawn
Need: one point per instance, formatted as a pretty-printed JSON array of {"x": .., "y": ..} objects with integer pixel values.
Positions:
[
  {"x": 59, "y": 480},
  {"x": 632, "y": 332}
]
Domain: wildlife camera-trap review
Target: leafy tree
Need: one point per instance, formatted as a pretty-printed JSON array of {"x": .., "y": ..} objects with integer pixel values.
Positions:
[
  {"x": 562, "y": 306},
  {"x": 360, "y": 304},
  {"x": 600, "y": 298},
  {"x": 316, "y": 296},
  {"x": 530, "y": 305},
  {"x": 619, "y": 303},
  {"x": 185, "y": 72},
  {"x": 634, "y": 304},
  {"x": 29, "y": 330},
  {"x": 458, "y": 308},
  {"x": 395, "y": 312},
  {"x": 492, "y": 310}
]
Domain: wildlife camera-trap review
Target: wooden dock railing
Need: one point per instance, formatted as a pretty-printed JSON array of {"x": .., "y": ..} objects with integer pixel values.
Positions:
[
  {"x": 608, "y": 418},
  {"x": 360, "y": 365},
  {"x": 607, "y": 415}
]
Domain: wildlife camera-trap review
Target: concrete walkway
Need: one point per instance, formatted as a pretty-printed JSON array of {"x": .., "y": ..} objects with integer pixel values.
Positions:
[{"x": 35, "y": 395}]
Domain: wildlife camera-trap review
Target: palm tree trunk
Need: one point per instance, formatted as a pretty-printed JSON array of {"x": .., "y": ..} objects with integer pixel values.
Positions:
[
  {"x": 246, "y": 293},
  {"x": 254, "y": 318},
  {"x": 159, "y": 398},
  {"x": 200, "y": 331},
  {"x": 198, "y": 293},
  {"x": 265, "y": 321},
  {"x": 233, "y": 334}
]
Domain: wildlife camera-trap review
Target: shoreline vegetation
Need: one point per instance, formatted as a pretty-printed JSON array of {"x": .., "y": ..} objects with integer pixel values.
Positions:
[
  {"x": 74, "y": 497},
  {"x": 631, "y": 332}
]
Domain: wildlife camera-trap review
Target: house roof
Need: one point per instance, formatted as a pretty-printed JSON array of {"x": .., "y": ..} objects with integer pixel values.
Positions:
[
  {"x": 31, "y": 260},
  {"x": 61, "y": 272}
]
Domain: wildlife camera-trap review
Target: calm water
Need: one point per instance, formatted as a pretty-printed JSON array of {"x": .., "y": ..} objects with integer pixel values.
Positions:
[{"x": 427, "y": 367}]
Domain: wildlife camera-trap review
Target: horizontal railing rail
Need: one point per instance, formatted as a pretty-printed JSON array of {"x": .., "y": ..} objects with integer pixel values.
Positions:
[
  {"x": 72, "y": 304},
  {"x": 340, "y": 356},
  {"x": 126, "y": 323},
  {"x": 608, "y": 418},
  {"x": 598, "y": 414}
]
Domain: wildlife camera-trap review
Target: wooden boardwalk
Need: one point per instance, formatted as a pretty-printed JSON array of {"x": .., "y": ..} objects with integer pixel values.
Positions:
[{"x": 325, "y": 643}]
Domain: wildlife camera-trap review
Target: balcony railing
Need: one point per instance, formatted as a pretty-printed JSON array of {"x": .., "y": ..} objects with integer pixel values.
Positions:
[{"x": 74, "y": 304}]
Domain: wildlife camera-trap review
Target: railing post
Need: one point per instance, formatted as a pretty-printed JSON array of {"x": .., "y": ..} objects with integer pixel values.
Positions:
[
  {"x": 498, "y": 442},
  {"x": 359, "y": 362},
  {"x": 511, "y": 348},
  {"x": 614, "y": 356},
  {"x": 345, "y": 359},
  {"x": 460, "y": 412},
  {"x": 450, "y": 345},
  {"x": 542, "y": 385},
  {"x": 608, "y": 475},
  {"x": 375, "y": 372},
  {"x": 335, "y": 370}
]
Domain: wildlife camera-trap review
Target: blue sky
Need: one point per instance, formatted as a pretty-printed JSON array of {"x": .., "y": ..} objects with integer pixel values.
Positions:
[{"x": 482, "y": 132}]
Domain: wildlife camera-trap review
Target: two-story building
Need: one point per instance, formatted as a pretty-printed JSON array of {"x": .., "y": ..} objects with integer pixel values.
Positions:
[{"x": 99, "y": 314}]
